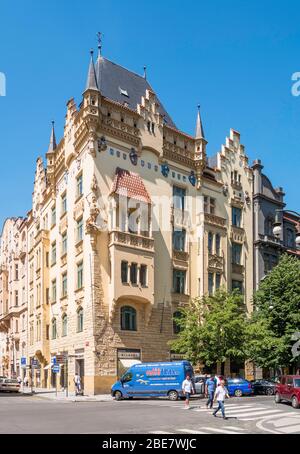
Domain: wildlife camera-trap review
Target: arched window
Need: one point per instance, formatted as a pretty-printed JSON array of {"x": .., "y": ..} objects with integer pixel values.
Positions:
[
  {"x": 80, "y": 320},
  {"x": 210, "y": 242},
  {"x": 54, "y": 328},
  {"x": 64, "y": 321},
  {"x": 128, "y": 318},
  {"x": 176, "y": 325}
]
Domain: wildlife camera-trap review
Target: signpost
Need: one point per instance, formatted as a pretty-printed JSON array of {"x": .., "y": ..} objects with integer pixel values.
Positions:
[{"x": 56, "y": 370}]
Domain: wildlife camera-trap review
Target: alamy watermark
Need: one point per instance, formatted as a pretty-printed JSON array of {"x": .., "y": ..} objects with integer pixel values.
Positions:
[
  {"x": 296, "y": 86},
  {"x": 2, "y": 84}
]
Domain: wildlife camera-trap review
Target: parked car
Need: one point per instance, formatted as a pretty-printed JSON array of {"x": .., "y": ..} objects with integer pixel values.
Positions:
[
  {"x": 289, "y": 390},
  {"x": 10, "y": 385},
  {"x": 238, "y": 387},
  {"x": 263, "y": 386},
  {"x": 199, "y": 383}
]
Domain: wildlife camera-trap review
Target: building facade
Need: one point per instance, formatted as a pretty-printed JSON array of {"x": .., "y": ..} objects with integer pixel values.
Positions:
[
  {"x": 129, "y": 220},
  {"x": 13, "y": 296}
]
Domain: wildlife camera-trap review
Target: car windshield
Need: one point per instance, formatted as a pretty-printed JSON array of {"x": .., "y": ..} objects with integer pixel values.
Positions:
[{"x": 297, "y": 382}]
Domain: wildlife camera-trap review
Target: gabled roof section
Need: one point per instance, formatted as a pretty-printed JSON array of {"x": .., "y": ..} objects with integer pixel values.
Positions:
[
  {"x": 123, "y": 86},
  {"x": 130, "y": 184}
]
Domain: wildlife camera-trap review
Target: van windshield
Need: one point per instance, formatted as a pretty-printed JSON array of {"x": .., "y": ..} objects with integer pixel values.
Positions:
[{"x": 188, "y": 370}]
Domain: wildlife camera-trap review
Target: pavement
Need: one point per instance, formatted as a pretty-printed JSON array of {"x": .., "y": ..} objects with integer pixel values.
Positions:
[
  {"x": 31, "y": 414},
  {"x": 52, "y": 394}
]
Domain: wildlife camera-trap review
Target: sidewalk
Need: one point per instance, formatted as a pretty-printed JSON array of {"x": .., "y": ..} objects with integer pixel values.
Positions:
[{"x": 50, "y": 394}]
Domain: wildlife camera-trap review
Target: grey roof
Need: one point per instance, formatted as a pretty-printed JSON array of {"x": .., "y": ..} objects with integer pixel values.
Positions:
[
  {"x": 91, "y": 82},
  {"x": 212, "y": 161},
  {"x": 52, "y": 143},
  {"x": 113, "y": 78},
  {"x": 199, "y": 134}
]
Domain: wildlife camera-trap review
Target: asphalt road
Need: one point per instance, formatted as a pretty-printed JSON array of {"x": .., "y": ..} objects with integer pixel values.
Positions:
[{"x": 246, "y": 415}]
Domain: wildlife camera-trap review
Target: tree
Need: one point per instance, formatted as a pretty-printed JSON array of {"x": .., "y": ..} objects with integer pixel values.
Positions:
[
  {"x": 276, "y": 316},
  {"x": 212, "y": 328}
]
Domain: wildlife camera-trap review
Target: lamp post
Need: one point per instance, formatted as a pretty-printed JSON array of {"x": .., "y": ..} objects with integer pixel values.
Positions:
[{"x": 277, "y": 226}]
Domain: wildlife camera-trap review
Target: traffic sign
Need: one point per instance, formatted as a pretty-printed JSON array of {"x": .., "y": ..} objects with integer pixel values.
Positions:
[
  {"x": 23, "y": 361},
  {"x": 53, "y": 360},
  {"x": 35, "y": 363},
  {"x": 56, "y": 369}
]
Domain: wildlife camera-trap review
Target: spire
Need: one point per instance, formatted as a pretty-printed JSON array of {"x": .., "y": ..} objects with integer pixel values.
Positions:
[
  {"x": 99, "y": 57},
  {"x": 91, "y": 82},
  {"x": 145, "y": 72},
  {"x": 52, "y": 144},
  {"x": 199, "y": 128}
]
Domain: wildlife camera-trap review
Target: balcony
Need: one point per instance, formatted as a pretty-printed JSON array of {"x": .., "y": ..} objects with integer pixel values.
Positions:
[
  {"x": 214, "y": 220},
  {"x": 237, "y": 269},
  {"x": 237, "y": 234},
  {"x": 180, "y": 255},
  {"x": 131, "y": 240},
  {"x": 236, "y": 185},
  {"x": 180, "y": 218},
  {"x": 41, "y": 235},
  {"x": 271, "y": 239},
  {"x": 216, "y": 262}
]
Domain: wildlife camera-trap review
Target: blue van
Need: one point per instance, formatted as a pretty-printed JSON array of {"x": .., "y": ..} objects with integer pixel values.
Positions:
[{"x": 153, "y": 380}]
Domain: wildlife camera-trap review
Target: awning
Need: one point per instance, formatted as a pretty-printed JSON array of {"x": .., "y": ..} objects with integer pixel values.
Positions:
[
  {"x": 129, "y": 362},
  {"x": 130, "y": 184}
]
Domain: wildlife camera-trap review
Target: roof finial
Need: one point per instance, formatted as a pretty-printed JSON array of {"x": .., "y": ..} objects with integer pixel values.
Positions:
[
  {"x": 145, "y": 72},
  {"x": 199, "y": 128},
  {"x": 99, "y": 36},
  {"x": 52, "y": 144}
]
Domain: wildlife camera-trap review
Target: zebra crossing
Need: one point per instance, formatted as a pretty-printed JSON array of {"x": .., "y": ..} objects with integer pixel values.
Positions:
[
  {"x": 205, "y": 430},
  {"x": 249, "y": 412}
]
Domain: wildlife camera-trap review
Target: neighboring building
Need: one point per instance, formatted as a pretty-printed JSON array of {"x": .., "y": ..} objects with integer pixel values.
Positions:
[
  {"x": 13, "y": 296},
  {"x": 268, "y": 207},
  {"x": 266, "y": 200},
  {"x": 129, "y": 220}
]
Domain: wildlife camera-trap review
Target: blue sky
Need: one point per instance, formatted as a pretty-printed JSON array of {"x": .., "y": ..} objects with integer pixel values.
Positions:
[{"x": 234, "y": 57}]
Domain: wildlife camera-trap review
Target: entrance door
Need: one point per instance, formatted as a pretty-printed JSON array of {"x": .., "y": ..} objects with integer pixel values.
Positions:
[{"x": 79, "y": 369}]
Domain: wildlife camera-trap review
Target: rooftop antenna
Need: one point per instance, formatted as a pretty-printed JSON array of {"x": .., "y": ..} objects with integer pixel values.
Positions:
[
  {"x": 145, "y": 72},
  {"x": 99, "y": 37}
]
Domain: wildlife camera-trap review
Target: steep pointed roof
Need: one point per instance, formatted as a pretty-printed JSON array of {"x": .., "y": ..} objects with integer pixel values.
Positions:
[
  {"x": 131, "y": 185},
  {"x": 52, "y": 143},
  {"x": 199, "y": 134},
  {"x": 91, "y": 82},
  {"x": 119, "y": 84}
]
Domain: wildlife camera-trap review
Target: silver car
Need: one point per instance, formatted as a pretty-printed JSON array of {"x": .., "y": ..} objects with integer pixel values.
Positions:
[{"x": 10, "y": 385}]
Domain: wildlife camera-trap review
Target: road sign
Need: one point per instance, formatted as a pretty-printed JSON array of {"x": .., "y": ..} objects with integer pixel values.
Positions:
[
  {"x": 56, "y": 369},
  {"x": 35, "y": 363},
  {"x": 23, "y": 361},
  {"x": 53, "y": 360},
  {"x": 61, "y": 359}
]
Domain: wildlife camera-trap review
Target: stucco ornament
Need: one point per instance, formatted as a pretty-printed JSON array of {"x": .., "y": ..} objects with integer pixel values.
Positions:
[
  {"x": 102, "y": 145},
  {"x": 225, "y": 189},
  {"x": 165, "y": 169}
]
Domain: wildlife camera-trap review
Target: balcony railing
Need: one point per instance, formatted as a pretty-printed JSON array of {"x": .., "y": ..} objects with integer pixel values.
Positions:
[
  {"x": 216, "y": 262},
  {"x": 237, "y": 234},
  {"x": 180, "y": 255},
  {"x": 214, "y": 220},
  {"x": 269, "y": 238},
  {"x": 131, "y": 240},
  {"x": 237, "y": 269}
]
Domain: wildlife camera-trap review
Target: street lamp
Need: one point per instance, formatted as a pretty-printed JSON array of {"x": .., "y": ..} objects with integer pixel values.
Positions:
[{"x": 277, "y": 226}]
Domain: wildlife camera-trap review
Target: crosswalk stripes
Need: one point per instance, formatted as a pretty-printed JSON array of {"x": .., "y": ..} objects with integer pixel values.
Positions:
[
  {"x": 232, "y": 430},
  {"x": 249, "y": 412}
]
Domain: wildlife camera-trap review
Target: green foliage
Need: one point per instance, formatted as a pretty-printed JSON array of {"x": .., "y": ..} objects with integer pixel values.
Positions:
[
  {"x": 213, "y": 328},
  {"x": 276, "y": 316}
]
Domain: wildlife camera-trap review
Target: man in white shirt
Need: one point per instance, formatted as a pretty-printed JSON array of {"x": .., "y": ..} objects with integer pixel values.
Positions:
[
  {"x": 187, "y": 388},
  {"x": 220, "y": 394}
]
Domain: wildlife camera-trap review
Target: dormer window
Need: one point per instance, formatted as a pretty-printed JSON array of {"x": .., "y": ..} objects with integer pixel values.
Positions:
[{"x": 123, "y": 92}]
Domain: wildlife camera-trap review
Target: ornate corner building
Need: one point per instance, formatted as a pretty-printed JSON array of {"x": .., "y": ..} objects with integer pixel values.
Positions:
[{"x": 129, "y": 220}]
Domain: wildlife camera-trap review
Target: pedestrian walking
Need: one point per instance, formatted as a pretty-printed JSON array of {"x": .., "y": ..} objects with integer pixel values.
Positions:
[
  {"x": 187, "y": 388},
  {"x": 220, "y": 394},
  {"x": 210, "y": 388},
  {"x": 77, "y": 382}
]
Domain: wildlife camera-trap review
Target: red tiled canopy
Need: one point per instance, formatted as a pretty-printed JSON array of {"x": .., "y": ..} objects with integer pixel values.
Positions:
[{"x": 130, "y": 185}]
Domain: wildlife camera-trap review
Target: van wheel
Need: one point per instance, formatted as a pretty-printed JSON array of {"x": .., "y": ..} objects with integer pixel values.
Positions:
[
  {"x": 238, "y": 393},
  {"x": 269, "y": 392},
  {"x": 118, "y": 395},
  {"x": 295, "y": 402},
  {"x": 277, "y": 398},
  {"x": 173, "y": 395}
]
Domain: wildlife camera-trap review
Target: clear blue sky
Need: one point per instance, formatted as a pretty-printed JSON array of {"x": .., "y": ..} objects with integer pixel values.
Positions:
[{"x": 234, "y": 57}]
